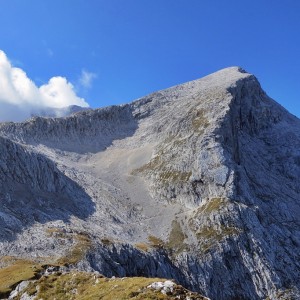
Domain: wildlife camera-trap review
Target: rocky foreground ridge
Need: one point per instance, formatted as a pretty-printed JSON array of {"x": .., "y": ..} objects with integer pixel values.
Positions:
[
  {"x": 59, "y": 283},
  {"x": 198, "y": 183}
]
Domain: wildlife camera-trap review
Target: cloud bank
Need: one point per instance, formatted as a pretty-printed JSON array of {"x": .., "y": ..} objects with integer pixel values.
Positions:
[{"x": 20, "y": 97}]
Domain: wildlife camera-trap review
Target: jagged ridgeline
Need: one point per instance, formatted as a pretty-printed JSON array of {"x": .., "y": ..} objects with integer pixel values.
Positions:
[{"x": 198, "y": 183}]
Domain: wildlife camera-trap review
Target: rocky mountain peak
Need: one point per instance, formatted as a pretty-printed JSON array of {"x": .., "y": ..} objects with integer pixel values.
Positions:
[{"x": 198, "y": 183}]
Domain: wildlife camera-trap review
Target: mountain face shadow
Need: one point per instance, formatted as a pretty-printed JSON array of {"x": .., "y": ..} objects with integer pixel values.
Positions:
[
  {"x": 34, "y": 190},
  {"x": 263, "y": 152},
  {"x": 85, "y": 132}
]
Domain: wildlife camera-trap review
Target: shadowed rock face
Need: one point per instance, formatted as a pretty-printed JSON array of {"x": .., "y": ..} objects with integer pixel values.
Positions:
[
  {"x": 33, "y": 190},
  {"x": 88, "y": 131},
  {"x": 199, "y": 183}
]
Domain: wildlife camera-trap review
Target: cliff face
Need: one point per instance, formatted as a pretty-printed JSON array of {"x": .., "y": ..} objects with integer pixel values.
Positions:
[
  {"x": 34, "y": 190},
  {"x": 199, "y": 183}
]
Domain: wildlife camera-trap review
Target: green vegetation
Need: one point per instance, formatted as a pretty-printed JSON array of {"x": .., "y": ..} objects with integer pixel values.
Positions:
[
  {"x": 176, "y": 238},
  {"x": 199, "y": 121},
  {"x": 142, "y": 246},
  {"x": 17, "y": 271},
  {"x": 175, "y": 176},
  {"x": 83, "y": 244},
  {"x": 208, "y": 237},
  {"x": 76, "y": 253},
  {"x": 175, "y": 243},
  {"x": 156, "y": 242},
  {"x": 165, "y": 173},
  {"x": 213, "y": 204},
  {"x": 162, "y": 164},
  {"x": 106, "y": 241},
  {"x": 152, "y": 165},
  {"x": 87, "y": 286}
]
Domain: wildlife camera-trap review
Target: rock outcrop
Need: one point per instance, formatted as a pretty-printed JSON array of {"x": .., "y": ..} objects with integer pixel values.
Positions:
[
  {"x": 197, "y": 183},
  {"x": 86, "y": 286}
]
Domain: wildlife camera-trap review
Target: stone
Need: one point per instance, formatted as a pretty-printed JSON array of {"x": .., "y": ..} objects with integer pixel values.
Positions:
[{"x": 198, "y": 183}]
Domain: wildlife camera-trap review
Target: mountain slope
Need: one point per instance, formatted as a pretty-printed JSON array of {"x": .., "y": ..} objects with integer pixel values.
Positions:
[{"x": 199, "y": 183}]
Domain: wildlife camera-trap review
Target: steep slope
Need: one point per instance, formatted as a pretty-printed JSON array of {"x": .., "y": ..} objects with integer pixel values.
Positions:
[
  {"x": 199, "y": 183},
  {"x": 34, "y": 190},
  {"x": 58, "y": 112}
]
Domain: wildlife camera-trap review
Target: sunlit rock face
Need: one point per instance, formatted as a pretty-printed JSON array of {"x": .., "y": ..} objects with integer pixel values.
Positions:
[{"x": 199, "y": 183}]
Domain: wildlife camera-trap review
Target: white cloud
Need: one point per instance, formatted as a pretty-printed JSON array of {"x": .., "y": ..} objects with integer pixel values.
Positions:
[
  {"x": 20, "y": 97},
  {"x": 60, "y": 93},
  {"x": 87, "y": 78}
]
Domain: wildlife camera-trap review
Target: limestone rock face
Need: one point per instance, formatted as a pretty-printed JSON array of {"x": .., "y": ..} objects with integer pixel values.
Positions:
[
  {"x": 33, "y": 190},
  {"x": 199, "y": 183}
]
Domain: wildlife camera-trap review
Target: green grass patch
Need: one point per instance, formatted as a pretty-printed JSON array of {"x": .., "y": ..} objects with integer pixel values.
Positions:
[
  {"x": 14, "y": 270},
  {"x": 213, "y": 204},
  {"x": 175, "y": 176},
  {"x": 78, "y": 251},
  {"x": 87, "y": 286},
  {"x": 156, "y": 242},
  {"x": 209, "y": 237},
  {"x": 176, "y": 238},
  {"x": 18, "y": 270},
  {"x": 142, "y": 246}
]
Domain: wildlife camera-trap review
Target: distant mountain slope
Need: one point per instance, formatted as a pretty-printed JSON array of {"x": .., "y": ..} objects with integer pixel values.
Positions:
[
  {"x": 199, "y": 182},
  {"x": 53, "y": 112}
]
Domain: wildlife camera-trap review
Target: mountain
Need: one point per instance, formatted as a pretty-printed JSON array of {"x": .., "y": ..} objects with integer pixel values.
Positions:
[
  {"x": 17, "y": 113},
  {"x": 198, "y": 183},
  {"x": 53, "y": 112}
]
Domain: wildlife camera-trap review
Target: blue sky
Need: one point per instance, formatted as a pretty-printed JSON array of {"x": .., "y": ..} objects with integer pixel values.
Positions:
[{"x": 114, "y": 51}]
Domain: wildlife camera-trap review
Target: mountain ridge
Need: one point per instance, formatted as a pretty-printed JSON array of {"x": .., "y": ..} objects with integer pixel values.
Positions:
[{"x": 197, "y": 183}]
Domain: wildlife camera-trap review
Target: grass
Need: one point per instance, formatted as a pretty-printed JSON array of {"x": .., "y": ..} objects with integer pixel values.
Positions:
[
  {"x": 83, "y": 244},
  {"x": 87, "y": 286},
  {"x": 106, "y": 241},
  {"x": 175, "y": 176},
  {"x": 214, "y": 204},
  {"x": 156, "y": 242},
  {"x": 15, "y": 270},
  {"x": 142, "y": 246},
  {"x": 152, "y": 165},
  {"x": 176, "y": 238},
  {"x": 162, "y": 165},
  {"x": 212, "y": 233},
  {"x": 200, "y": 121},
  {"x": 208, "y": 237},
  {"x": 76, "y": 253},
  {"x": 153, "y": 242},
  {"x": 77, "y": 285},
  {"x": 18, "y": 271},
  {"x": 175, "y": 243},
  {"x": 165, "y": 173}
]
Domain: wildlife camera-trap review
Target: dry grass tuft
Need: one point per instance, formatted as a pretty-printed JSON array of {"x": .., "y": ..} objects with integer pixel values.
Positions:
[
  {"x": 142, "y": 246},
  {"x": 209, "y": 237},
  {"x": 176, "y": 238},
  {"x": 18, "y": 271},
  {"x": 156, "y": 242},
  {"x": 213, "y": 204},
  {"x": 83, "y": 244}
]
